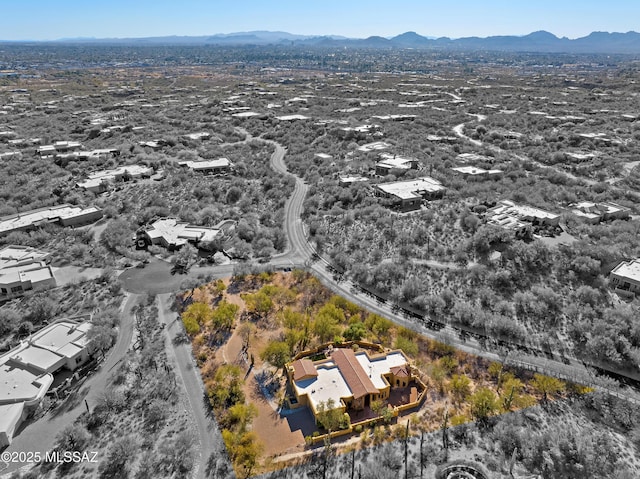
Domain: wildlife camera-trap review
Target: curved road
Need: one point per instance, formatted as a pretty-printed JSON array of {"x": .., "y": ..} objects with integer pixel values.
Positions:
[{"x": 300, "y": 252}]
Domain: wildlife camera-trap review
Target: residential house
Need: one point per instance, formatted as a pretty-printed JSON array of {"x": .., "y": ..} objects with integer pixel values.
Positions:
[
  {"x": 209, "y": 167},
  {"x": 352, "y": 380},
  {"x": 23, "y": 269},
  {"x": 518, "y": 218},
  {"x": 475, "y": 172},
  {"x": 594, "y": 213},
  {"x": 99, "y": 181},
  {"x": 27, "y": 371},
  {"x": 625, "y": 277},
  {"x": 173, "y": 234},
  {"x": 395, "y": 165},
  {"x": 64, "y": 215},
  {"x": 408, "y": 195},
  {"x": 58, "y": 147}
]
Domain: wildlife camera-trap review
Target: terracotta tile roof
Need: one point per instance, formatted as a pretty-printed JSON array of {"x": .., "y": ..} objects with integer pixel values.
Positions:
[
  {"x": 303, "y": 368},
  {"x": 355, "y": 377},
  {"x": 401, "y": 371}
]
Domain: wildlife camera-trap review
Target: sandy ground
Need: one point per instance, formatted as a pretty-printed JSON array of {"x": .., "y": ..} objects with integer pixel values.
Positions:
[
  {"x": 70, "y": 274},
  {"x": 279, "y": 434}
]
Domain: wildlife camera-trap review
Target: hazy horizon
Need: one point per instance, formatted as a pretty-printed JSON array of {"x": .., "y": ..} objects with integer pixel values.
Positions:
[{"x": 42, "y": 20}]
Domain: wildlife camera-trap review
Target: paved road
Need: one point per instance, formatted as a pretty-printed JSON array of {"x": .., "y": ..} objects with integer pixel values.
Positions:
[
  {"x": 40, "y": 436},
  {"x": 181, "y": 355},
  {"x": 299, "y": 251}
]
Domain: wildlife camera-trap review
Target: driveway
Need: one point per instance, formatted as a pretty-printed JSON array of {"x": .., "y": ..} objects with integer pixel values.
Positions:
[{"x": 180, "y": 354}]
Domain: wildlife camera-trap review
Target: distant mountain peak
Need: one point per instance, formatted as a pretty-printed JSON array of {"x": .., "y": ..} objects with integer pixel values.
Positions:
[
  {"x": 539, "y": 41},
  {"x": 542, "y": 34}
]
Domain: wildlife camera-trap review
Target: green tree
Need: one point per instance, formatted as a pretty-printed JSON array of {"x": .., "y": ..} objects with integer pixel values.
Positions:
[
  {"x": 257, "y": 303},
  {"x": 460, "y": 387},
  {"x": 241, "y": 415},
  {"x": 195, "y": 316},
  {"x": 326, "y": 325},
  {"x": 381, "y": 409},
  {"x": 355, "y": 332},
  {"x": 224, "y": 315},
  {"x": 331, "y": 417},
  {"x": 378, "y": 325},
  {"x": 409, "y": 346},
  {"x": 483, "y": 404},
  {"x": 246, "y": 330},
  {"x": 546, "y": 386},
  {"x": 277, "y": 353},
  {"x": 437, "y": 374},
  {"x": 511, "y": 390},
  {"x": 226, "y": 387},
  {"x": 244, "y": 450},
  {"x": 200, "y": 312}
]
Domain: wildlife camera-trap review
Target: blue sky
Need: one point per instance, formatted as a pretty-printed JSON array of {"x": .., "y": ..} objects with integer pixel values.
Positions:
[{"x": 53, "y": 19}]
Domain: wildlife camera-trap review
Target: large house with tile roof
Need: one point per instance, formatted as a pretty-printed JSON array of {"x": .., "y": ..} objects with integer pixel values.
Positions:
[{"x": 351, "y": 379}]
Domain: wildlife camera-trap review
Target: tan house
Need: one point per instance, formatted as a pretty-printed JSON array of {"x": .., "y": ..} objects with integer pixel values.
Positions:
[{"x": 352, "y": 380}]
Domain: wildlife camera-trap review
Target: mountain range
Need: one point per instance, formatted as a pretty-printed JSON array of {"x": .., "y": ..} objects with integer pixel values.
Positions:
[{"x": 540, "y": 41}]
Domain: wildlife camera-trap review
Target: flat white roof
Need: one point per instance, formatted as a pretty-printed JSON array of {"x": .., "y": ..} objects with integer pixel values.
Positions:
[
  {"x": 59, "y": 335},
  {"x": 395, "y": 117},
  {"x": 292, "y": 117},
  {"x": 472, "y": 170},
  {"x": 378, "y": 366},
  {"x": 47, "y": 349},
  {"x": 329, "y": 384},
  {"x": 473, "y": 157},
  {"x": 399, "y": 162},
  {"x": 590, "y": 207},
  {"x": 205, "y": 165},
  {"x": 13, "y": 255},
  {"x": 352, "y": 179},
  {"x": 198, "y": 136},
  {"x": 246, "y": 114},
  {"x": 10, "y": 415},
  {"x": 178, "y": 233},
  {"x": 412, "y": 188},
  {"x": 33, "y": 272},
  {"x": 40, "y": 358},
  {"x": 376, "y": 145},
  {"x": 21, "y": 220},
  {"x": 509, "y": 207},
  {"x": 98, "y": 177},
  {"x": 17, "y": 384},
  {"x": 628, "y": 269},
  {"x": 360, "y": 129}
]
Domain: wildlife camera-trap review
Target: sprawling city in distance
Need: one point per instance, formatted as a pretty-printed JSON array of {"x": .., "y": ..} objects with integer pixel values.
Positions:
[{"x": 318, "y": 256}]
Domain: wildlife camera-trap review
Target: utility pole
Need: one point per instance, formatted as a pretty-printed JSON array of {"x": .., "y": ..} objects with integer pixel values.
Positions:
[
  {"x": 353, "y": 462},
  {"x": 406, "y": 452},
  {"x": 421, "y": 454},
  {"x": 445, "y": 427}
]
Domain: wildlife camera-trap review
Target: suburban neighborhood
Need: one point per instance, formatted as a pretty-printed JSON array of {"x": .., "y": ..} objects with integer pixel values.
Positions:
[{"x": 319, "y": 257}]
